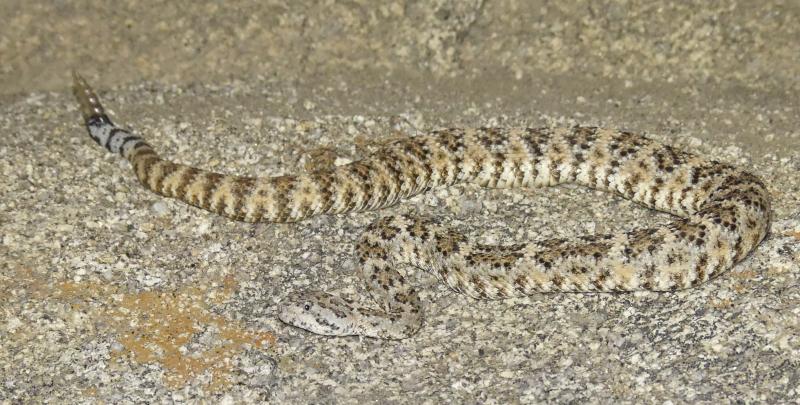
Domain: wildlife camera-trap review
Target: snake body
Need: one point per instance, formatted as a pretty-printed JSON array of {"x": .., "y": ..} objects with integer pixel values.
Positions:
[{"x": 721, "y": 214}]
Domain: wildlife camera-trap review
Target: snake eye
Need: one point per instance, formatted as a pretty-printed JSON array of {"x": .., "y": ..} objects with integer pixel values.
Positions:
[{"x": 307, "y": 307}]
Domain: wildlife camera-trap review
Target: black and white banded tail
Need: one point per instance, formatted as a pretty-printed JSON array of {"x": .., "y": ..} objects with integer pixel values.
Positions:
[{"x": 101, "y": 129}]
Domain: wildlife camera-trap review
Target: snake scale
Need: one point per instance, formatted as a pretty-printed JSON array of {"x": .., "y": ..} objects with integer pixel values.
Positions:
[{"x": 721, "y": 214}]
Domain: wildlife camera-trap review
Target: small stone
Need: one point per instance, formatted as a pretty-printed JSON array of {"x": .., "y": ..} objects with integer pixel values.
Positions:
[{"x": 160, "y": 207}]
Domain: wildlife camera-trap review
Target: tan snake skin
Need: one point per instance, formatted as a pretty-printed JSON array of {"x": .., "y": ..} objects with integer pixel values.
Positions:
[{"x": 722, "y": 214}]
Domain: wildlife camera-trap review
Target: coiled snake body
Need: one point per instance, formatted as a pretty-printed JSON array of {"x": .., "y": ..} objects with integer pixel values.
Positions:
[{"x": 722, "y": 213}]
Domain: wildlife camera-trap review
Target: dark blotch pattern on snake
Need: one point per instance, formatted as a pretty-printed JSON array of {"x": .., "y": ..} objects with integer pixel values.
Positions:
[{"x": 722, "y": 213}]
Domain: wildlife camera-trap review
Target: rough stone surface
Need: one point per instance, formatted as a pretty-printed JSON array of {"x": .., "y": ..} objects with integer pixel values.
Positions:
[{"x": 113, "y": 294}]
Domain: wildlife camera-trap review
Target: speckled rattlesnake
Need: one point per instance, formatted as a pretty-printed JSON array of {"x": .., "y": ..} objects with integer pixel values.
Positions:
[{"x": 723, "y": 213}]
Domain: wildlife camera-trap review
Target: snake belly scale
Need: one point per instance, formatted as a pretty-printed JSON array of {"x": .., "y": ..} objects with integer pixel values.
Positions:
[{"x": 721, "y": 214}]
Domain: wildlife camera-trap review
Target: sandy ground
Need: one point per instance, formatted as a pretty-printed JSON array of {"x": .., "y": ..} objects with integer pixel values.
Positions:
[{"x": 112, "y": 294}]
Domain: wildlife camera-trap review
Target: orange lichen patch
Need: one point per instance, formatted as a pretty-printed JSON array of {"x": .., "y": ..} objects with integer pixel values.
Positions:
[
  {"x": 90, "y": 392},
  {"x": 739, "y": 288},
  {"x": 744, "y": 275},
  {"x": 80, "y": 293},
  {"x": 159, "y": 324},
  {"x": 162, "y": 326},
  {"x": 723, "y": 303},
  {"x": 22, "y": 277}
]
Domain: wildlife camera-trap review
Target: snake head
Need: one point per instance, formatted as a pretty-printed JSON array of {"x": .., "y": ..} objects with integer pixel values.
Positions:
[{"x": 320, "y": 313}]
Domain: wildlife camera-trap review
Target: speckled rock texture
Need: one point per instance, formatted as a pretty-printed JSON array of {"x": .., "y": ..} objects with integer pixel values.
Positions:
[{"x": 113, "y": 294}]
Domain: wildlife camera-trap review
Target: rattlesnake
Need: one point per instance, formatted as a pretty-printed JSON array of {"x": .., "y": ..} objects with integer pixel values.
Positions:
[{"x": 722, "y": 214}]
